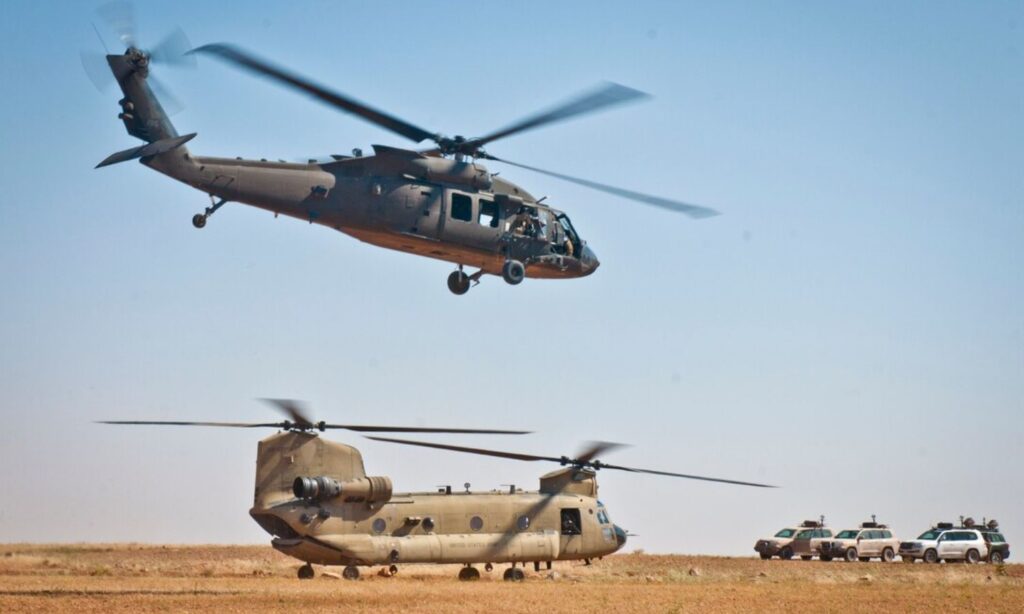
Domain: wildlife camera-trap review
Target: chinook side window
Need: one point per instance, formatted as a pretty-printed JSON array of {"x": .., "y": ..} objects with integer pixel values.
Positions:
[
  {"x": 462, "y": 207},
  {"x": 571, "y": 524}
]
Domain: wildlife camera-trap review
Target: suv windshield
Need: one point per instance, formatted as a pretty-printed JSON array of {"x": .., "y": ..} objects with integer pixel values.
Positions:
[
  {"x": 785, "y": 533},
  {"x": 933, "y": 534},
  {"x": 847, "y": 534}
]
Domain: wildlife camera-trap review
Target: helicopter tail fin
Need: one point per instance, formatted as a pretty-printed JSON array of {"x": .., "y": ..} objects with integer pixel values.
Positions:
[{"x": 144, "y": 151}]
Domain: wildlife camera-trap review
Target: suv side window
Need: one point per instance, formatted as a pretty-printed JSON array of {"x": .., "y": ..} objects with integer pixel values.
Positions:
[
  {"x": 826, "y": 533},
  {"x": 886, "y": 534}
]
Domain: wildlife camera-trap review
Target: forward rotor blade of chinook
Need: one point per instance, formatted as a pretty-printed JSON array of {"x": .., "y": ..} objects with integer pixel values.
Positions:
[
  {"x": 694, "y": 211},
  {"x": 243, "y": 59},
  {"x": 594, "y": 464},
  {"x": 291, "y": 408}
]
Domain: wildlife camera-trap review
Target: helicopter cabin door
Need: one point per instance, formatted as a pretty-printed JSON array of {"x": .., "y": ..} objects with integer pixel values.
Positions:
[
  {"x": 471, "y": 219},
  {"x": 571, "y": 531}
]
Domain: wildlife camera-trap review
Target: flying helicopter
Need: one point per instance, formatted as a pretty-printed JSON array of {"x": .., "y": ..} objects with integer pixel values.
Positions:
[
  {"x": 440, "y": 202},
  {"x": 314, "y": 497}
]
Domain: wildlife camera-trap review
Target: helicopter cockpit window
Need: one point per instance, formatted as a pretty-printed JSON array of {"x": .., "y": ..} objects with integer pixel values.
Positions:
[
  {"x": 462, "y": 207},
  {"x": 571, "y": 242},
  {"x": 488, "y": 213},
  {"x": 602, "y": 516}
]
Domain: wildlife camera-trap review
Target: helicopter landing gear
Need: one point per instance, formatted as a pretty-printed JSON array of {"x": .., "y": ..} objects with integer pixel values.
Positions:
[
  {"x": 513, "y": 272},
  {"x": 460, "y": 283},
  {"x": 350, "y": 573},
  {"x": 306, "y": 572},
  {"x": 469, "y": 574},
  {"x": 513, "y": 574},
  {"x": 199, "y": 219},
  {"x": 488, "y": 568}
]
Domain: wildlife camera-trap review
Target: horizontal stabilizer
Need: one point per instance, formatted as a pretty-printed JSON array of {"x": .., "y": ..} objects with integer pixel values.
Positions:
[{"x": 149, "y": 149}]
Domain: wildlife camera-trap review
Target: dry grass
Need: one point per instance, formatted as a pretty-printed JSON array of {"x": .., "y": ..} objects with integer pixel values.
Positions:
[{"x": 102, "y": 578}]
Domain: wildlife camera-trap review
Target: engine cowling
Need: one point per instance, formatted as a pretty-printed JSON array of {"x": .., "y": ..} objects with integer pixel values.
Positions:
[{"x": 373, "y": 489}]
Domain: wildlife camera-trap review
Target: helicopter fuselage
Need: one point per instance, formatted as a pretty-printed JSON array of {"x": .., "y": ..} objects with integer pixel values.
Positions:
[{"x": 402, "y": 200}]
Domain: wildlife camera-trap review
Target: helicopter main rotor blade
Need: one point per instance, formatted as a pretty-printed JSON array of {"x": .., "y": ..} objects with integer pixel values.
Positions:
[
  {"x": 685, "y": 475},
  {"x": 243, "y": 425},
  {"x": 421, "y": 429},
  {"x": 563, "y": 460},
  {"x": 468, "y": 450},
  {"x": 120, "y": 16},
  {"x": 245, "y": 60},
  {"x": 174, "y": 50},
  {"x": 606, "y": 95},
  {"x": 597, "y": 448},
  {"x": 694, "y": 211},
  {"x": 291, "y": 408}
]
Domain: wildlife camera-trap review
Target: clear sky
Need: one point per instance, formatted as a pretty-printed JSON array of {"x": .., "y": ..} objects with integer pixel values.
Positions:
[{"x": 851, "y": 328}]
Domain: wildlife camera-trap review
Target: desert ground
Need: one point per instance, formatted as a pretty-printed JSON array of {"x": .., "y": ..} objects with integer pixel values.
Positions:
[{"x": 129, "y": 577}]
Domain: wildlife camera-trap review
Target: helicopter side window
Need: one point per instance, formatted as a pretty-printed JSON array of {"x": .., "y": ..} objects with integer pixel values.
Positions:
[
  {"x": 571, "y": 524},
  {"x": 462, "y": 207},
  {"x": 488, "y": 213}
]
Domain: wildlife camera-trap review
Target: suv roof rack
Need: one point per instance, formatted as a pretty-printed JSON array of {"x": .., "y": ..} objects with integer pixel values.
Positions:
[{"x": 944, "y": 525}]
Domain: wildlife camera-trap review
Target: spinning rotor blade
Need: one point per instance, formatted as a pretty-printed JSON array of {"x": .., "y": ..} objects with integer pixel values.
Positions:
[
  {"x": 694, "y": 211},
  {"x": 240, "y": 58},
  {"x": 421, "y": 429},
  {"x": 563, "y": 460},
  {"x": 120, "y": 16},
  {"x": 606, "y": 95},
  {"x": 292, "y": 409},
  {"x": 174, "y": 50},
  {"x": 242, "y": 425},
  {"x": 481, "y": 451},
  {"x": 596, "y": 448}
]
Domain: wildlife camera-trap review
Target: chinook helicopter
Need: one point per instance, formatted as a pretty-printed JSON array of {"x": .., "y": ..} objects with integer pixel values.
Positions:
[
  {"x": 440, "y": 202},
  {"x": 314, "y": 497}
]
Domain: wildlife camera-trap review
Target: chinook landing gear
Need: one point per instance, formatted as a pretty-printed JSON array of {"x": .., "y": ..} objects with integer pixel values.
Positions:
[
  {"x": 199, "y": 219},
  {"x": 306, "y": 572},
  {"x": 350, "y": 573},
  {"x": 513, "y": 574},
  {"x": 460, "y": 283},
  {"x": 469, "y": 574}
]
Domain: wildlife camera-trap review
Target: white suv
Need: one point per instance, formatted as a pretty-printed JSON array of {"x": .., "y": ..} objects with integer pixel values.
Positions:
[{"x": 945, "y": 543}]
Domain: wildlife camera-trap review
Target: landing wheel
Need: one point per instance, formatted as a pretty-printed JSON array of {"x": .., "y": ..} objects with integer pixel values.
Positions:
[
  {"x": 306, "y": 572},
  {"x": 469, "y": 574},
  {"x": 513, "y": 272},
  {"x": 458, "y": 282},
  {"x": 199, "y": 220},
  {"x": 393, "y": 569},
  {"x": 488, "y": 568},
  {"x": 350, "y": 573},
  {"x": 513, "y": 574}
]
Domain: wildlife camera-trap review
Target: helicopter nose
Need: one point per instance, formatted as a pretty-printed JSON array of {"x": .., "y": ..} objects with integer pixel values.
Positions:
[
  {"x": 620, "y": 537},
  {"x": 589, "y": 260}
]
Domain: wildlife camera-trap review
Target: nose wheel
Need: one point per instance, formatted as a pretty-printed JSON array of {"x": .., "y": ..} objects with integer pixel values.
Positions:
[
  {"x": 513, "y": 574},
  {"x": 306, "y": 572},
  {"x": 199, "y": 219},
  {"x": 513, "y": 272}
]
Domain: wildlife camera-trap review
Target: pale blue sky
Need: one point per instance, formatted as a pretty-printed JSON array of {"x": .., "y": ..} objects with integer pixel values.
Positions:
[{"x": 850, "y": 328}]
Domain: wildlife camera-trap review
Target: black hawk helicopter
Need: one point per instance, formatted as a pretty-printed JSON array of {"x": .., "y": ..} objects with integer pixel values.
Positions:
[{"x": 440, "y": 203}]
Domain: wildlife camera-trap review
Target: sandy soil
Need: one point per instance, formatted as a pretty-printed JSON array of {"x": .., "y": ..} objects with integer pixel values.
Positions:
[{"x": 127, "y": 577}]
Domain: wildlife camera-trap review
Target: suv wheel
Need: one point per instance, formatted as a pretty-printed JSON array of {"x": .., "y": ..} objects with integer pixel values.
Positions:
[
  {"x": 996, "y": 557},
  {"x": 888, "y": 555},
  {"x": 765, "y": 556},
  {"x": 787, "y": 553},
  {"x": 851, "y": 555},
  {"x": 931, "y": 556},
  {"x": 972, "y": 557}
]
